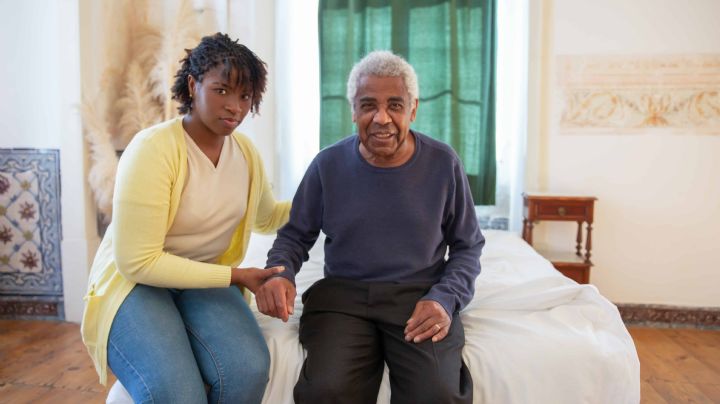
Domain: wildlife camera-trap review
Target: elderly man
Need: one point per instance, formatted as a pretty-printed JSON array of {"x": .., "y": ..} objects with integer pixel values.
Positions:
[{"x": 392, "y": 202}]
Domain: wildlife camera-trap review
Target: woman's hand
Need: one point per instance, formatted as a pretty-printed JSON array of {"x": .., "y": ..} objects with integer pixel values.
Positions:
[{"x": 253, "y": 278}]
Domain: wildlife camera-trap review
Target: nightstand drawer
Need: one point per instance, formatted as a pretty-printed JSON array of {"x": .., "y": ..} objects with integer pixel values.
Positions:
[{"x": 560, "y": 211}]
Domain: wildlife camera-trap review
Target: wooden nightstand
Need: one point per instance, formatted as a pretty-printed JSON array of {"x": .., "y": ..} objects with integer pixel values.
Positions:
[{"x": 542, "y": 207}]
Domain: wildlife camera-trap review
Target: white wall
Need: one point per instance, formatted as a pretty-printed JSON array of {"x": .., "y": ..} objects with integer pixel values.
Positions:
[
  {"x": 253, "y": 23},
  {"x": 40, "y": 81},
  {"x": 657, "y": 221}
]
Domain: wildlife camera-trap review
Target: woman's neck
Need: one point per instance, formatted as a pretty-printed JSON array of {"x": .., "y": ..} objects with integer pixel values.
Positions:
[{"x": 209, "y": 143}]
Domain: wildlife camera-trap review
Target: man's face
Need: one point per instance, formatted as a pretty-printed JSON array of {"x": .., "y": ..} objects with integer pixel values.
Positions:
[{"x": 383, "y": 111}]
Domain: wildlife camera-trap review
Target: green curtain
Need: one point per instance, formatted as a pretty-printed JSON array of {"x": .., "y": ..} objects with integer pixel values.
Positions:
[{"x": 452, "y": 46}]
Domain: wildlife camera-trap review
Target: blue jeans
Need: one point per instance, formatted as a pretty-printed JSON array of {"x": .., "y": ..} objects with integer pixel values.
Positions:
[{"x": 165, "y": 345}]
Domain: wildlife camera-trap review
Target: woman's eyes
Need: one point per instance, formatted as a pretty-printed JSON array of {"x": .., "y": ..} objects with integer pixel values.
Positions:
[{"x": 224, "y": 91}]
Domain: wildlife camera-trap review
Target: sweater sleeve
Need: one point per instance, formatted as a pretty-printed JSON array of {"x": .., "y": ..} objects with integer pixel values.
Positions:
[
  {"x": 462, "y": 233},
  {"x": 141, "y": 209},
  {"x": 297, "y": 237}
]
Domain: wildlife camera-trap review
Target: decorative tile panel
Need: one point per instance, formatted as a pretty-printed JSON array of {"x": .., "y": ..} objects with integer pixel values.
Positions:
[
  {"x": 652, "y": 315},
  {"x": 30, "y": 232},
  {"x": 626, "y": 94}
]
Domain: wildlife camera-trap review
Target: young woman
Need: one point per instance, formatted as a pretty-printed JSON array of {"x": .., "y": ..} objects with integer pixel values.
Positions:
[{"x": 162, "y": 308}]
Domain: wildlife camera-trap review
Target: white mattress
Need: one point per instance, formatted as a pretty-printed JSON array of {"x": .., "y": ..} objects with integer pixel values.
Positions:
[{"x": 531, "y": 335}]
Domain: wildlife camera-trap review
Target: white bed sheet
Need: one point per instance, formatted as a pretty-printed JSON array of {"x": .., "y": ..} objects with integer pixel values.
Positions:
[{"x": 532, "y": 335}]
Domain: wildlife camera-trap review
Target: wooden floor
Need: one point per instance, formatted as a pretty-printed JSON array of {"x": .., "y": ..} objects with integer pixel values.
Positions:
[
  {"x": 45, "y": 362},
  {"x": 678, "y": 365}
]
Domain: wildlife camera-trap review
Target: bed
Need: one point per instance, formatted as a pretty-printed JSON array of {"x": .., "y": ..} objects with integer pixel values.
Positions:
[{"x": 532, "y": 335}]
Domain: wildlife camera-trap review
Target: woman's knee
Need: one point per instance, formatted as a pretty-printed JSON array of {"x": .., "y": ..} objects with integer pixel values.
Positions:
[
  {"x": 255, "y": 366},
  {"x": 165, "y": 390},
  {"x": 242, "y": 378},
  {"x": 161, "y": 385}
]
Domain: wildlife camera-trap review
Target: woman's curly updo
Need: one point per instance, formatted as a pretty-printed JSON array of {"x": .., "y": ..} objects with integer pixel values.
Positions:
[{"x": 220, "y": 50}]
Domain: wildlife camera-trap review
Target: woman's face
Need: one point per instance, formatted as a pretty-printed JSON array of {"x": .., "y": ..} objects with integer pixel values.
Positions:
[{"x": 218, "y": 102}]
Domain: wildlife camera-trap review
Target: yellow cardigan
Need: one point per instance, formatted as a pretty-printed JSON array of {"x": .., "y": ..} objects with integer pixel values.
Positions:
[{"x": 150, "y": 179}]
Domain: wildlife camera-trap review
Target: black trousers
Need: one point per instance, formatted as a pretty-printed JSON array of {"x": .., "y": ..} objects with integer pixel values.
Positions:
[{"x": 350, "y": 328}]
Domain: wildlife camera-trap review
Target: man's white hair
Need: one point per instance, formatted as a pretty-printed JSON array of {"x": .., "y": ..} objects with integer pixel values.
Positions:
[{"x": 383, "y": 63}]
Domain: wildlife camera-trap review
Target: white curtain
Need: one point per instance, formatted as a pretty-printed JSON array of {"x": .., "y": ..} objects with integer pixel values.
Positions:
[
  {"x": 510, "y": 115},
  {"x": 297, "y": 82}
]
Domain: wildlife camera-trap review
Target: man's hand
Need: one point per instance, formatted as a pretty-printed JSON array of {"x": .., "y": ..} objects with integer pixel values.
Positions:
[
  {"x": 429, "y": 320},
  {"x": 252, "y": 278},
  {"x": 276, "y": 298}
]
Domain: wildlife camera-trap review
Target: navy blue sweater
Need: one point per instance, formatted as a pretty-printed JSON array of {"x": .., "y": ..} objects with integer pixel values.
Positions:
[{"x": 387, "y": 224}]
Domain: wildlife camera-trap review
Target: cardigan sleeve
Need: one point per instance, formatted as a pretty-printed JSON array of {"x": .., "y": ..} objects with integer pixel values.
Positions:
[
  {"x": 271, "y": 214},
  {"x": 144, "y": 184}
]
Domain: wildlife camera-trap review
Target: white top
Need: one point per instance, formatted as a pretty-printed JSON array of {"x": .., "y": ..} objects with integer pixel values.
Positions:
[{"x": 212, "y": 204}]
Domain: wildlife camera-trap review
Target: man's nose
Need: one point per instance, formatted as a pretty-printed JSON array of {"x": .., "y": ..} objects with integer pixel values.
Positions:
[{"x": 381, "y": 116}]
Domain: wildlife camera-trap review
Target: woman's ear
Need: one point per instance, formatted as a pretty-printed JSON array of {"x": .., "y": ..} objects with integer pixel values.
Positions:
[{"x": 191, "y": 85}]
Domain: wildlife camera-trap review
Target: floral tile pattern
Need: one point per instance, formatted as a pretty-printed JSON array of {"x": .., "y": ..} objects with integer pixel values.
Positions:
[
  {"x": 654, "y": 315},
  {"x": 628, "y": 94},
  {"x": 30, "y": 233}
]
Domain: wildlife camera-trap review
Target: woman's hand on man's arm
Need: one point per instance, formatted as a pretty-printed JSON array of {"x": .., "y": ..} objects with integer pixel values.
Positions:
[{"x": 253, "y": 278}]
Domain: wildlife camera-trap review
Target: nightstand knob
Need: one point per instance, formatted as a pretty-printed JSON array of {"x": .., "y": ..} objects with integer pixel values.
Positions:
[{"x": 561, "y": 211}]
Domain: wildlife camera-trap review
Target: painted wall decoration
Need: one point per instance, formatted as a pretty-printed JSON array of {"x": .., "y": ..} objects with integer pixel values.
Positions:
[
  {"x": 30, "y": 233},
  {"x": 673, "y": 93}
]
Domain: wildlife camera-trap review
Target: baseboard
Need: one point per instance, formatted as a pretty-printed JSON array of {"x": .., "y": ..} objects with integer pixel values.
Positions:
[
  {"x": 653, "y": 315},
  {"x": 29, "y": 308}
]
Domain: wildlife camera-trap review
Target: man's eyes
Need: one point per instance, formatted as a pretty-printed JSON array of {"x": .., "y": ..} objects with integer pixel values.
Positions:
[{"x": 393, "y": 106}]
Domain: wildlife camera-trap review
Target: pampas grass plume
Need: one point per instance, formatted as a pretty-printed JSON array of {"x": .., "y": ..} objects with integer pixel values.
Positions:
[
  {"x": 103, "y": 166},
  {"x": 181, "y": 33},
  {"x": 139, "y": 108}
]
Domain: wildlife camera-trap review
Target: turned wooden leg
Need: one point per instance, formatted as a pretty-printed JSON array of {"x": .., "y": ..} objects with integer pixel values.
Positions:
[
  {"x": 588, "y": 244},
  {"x": 578, "y": 239},
  {"x": 528, "y": 236}
]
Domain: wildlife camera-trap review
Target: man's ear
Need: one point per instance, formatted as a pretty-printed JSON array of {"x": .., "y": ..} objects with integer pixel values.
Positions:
[{"x": 413, "y": 113}]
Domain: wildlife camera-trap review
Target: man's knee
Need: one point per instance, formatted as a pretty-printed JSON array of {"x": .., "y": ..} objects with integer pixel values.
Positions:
[
  {"x": 333, "y": 388},
  {"x": 437, "y": 388},
  {"x": 319, "y": 390},
  {"x": 427, "y": 391}
]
